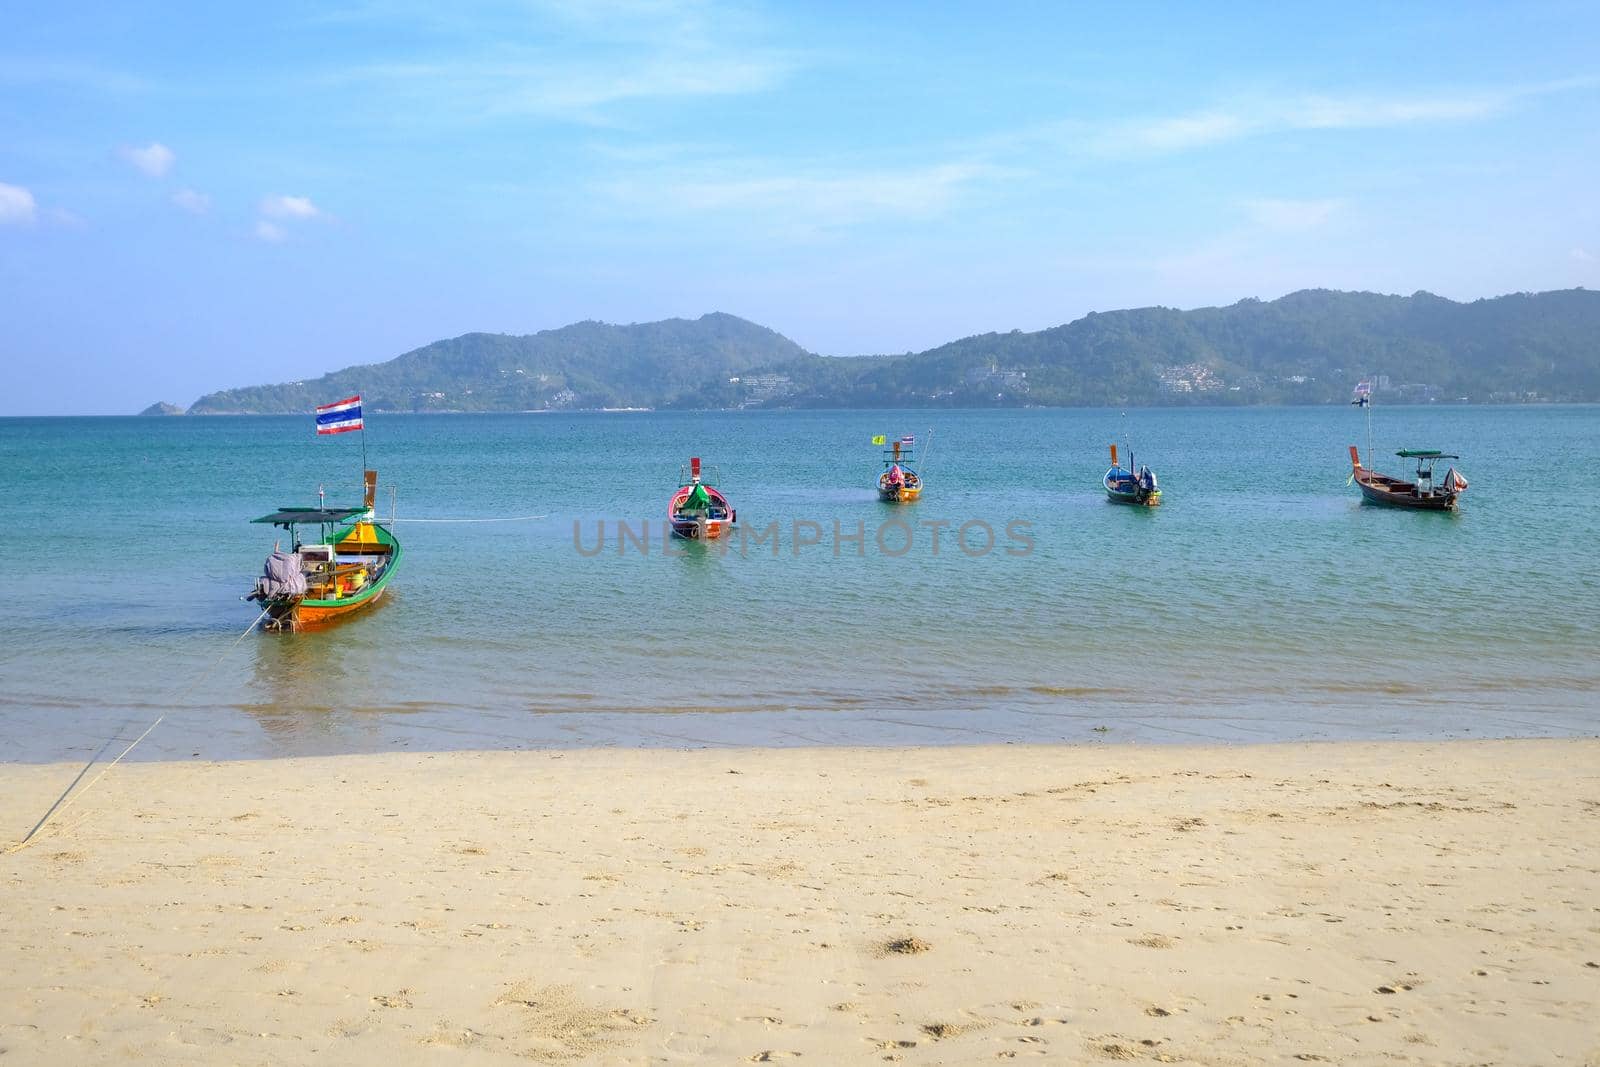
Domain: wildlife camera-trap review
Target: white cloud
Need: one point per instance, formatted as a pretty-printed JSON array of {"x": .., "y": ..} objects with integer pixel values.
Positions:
[
  {"x": 1582, "y": 255},
  {"x": 1292, "y": 216},
  {"x": 289, "y": 207},
  {"x": 192, "y": 201},
  {"x": 16, "y": 205},
  {"x": 154, "y": 159},
  {"x": 270, "y": 232}
]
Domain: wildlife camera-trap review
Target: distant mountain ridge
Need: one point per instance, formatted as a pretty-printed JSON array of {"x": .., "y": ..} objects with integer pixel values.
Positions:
[
  {"x": 1308, "y": 347},
  {"x": 587, "y": 364}
]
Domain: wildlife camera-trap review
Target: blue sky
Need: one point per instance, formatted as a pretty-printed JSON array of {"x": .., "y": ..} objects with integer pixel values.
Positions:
[{"x": 197, "y": 196}]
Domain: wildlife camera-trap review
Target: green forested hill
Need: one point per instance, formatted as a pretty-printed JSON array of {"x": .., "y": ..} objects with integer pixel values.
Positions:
[
  {"x": 1307, "y": 347},
  {"x": 587, "y": 364}
]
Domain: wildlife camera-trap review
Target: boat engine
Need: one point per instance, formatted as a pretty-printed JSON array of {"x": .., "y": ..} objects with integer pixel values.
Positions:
[{"x": 281, "y": 577}]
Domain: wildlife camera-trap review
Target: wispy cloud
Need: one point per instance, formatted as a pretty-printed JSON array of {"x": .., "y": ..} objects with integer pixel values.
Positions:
[
  {"x": 1582, "y": 255},
  {"x": 556, "y": 88},
  {"x": 814, "y": 201},
  {"x": 1176, "y": 133},
  {"x": 16, "y": 205},
  {"x": 192, "y": 201},
  {"x": 278, "y": 206},
  {"x": 588, "y": 58},
  {"x": 16, "y": 70},
  {"x": 1261, "y": 116},
  {"x": 1292, "y": 216},
  {"x": 154, "y": 159},
  {"x": 270, "y": 232}
]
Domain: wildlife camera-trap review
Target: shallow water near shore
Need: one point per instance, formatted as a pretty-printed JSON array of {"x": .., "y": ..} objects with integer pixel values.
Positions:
[{"x": 1261, "y": 602}]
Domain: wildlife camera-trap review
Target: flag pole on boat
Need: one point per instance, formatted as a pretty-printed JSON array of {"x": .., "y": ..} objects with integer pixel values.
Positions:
[
  {"x": 927, "y": 449},
  {"x": 342, "y": 416},
  {"x": 1363, "y": 399}
]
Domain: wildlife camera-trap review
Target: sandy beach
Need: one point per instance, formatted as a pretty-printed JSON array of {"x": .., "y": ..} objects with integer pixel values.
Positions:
[{"x": 1344, "y": 903}]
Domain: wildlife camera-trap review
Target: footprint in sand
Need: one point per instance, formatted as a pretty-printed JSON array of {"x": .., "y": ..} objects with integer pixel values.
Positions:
[
  {"x": 451, "y": 1036},
  {"x": 1152, "y": 941}
]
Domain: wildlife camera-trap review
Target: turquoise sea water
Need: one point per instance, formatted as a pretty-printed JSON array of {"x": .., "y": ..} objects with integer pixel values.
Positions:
[{"x": 1262, "y": 601}]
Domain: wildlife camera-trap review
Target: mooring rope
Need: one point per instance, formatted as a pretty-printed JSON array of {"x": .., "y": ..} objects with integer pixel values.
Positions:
[
  {"x": 63, "y": 803},
  {"x": 508, "y": 518}
]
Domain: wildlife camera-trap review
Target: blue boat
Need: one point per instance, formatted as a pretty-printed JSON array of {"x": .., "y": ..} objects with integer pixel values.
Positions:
[{"x": 1130, "y": 484}]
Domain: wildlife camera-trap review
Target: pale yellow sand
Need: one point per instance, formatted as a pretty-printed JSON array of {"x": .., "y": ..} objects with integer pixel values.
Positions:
[{"x": 1342, "y": 903}]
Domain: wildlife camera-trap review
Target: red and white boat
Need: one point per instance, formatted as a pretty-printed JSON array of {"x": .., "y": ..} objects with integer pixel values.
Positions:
[{"x": 698, "y": 510}]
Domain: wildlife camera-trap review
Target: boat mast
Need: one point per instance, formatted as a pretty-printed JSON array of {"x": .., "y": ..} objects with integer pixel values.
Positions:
[{"x": 1372, "y": 383}]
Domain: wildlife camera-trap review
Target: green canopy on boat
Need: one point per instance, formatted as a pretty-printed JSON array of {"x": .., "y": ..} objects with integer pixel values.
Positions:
[
  {"x": 697, "y": 498},
  {"x": 1424, "y": 453},
  {"x": 307, "y": 516}
]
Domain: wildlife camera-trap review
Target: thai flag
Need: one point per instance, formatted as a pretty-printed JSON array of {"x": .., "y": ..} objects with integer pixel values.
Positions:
[
  {"x": 907, "y": 439},
  {"x": 1363, "y": 394},
  {"x": 342, "y": 416}
]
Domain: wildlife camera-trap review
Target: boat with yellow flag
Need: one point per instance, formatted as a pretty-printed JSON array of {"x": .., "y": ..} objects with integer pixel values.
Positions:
[{"x": 899, "y": 483}]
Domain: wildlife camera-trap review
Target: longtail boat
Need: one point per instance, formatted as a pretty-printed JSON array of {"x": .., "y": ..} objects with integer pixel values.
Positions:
[
  {"x": 1425, "y": 493},
  {"x": 1131, "y": 485},
  {"x": 341, "y": 569},
  {"x": 899, "y": 484},
  {"x": 698, "y": 511}
]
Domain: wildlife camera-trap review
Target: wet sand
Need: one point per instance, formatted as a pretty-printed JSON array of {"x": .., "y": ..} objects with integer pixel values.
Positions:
[{"x": 1342, "y": 903}]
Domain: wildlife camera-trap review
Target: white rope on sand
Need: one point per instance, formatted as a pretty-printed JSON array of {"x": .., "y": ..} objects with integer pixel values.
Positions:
[{"x": 63, "y": 803}]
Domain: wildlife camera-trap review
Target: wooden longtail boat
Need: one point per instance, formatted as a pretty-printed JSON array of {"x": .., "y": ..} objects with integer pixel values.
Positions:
[
  {"x": 899, "y": 484},
  {"x": 345, "y": 569},
  {"x": 698, "y": 511},
  {"x": 1424, "y": 494},
  {"x": 1130, "y": 485}
]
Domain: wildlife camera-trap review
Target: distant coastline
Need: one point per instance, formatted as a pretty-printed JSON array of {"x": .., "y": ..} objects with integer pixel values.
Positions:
[
  {"x": 1306, "y": 348},
  {"x": 1157, "y": 406}
]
